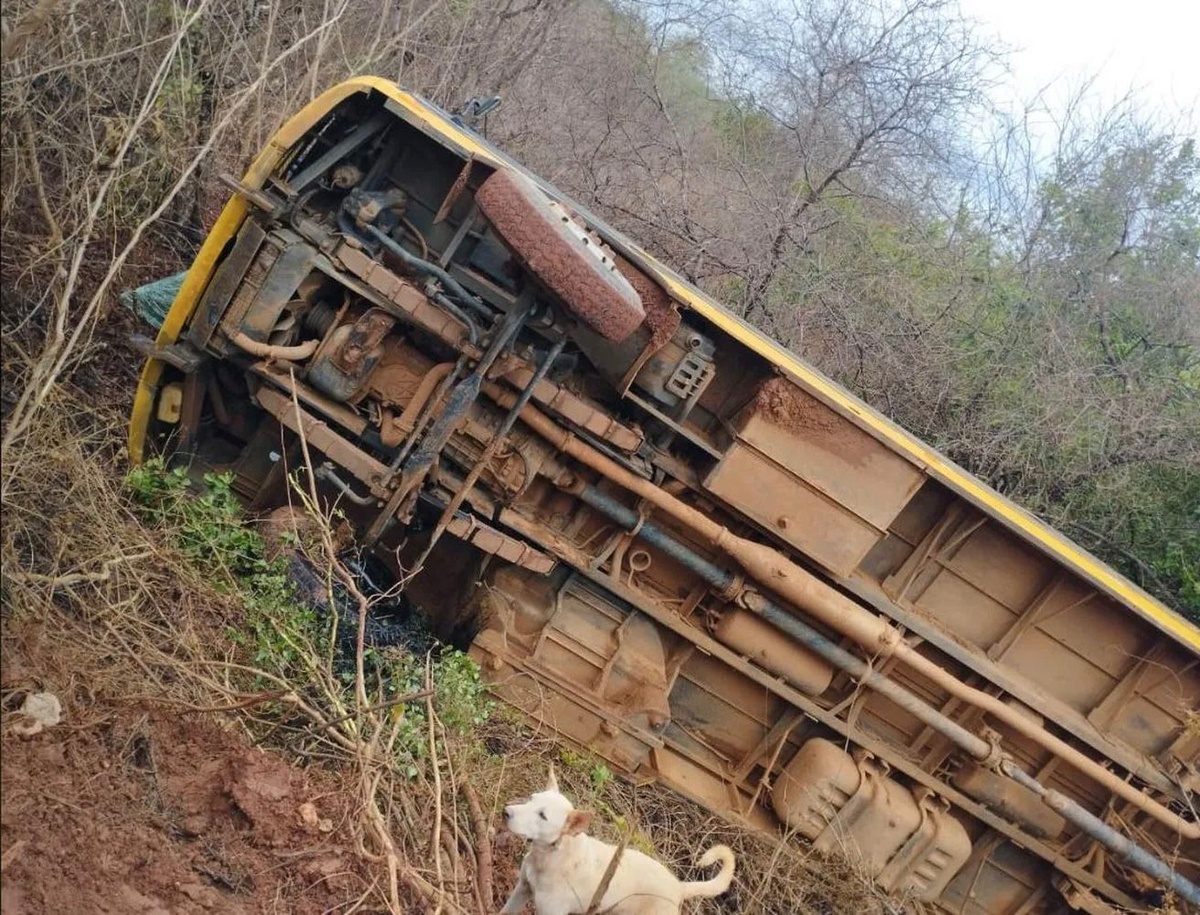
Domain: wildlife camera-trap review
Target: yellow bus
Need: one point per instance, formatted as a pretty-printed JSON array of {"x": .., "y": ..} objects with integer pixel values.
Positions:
[{"x": 668, "y": 538}]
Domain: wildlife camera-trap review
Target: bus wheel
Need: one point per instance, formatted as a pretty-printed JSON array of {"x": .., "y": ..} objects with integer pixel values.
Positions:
[{"x": 562, "y": 254}]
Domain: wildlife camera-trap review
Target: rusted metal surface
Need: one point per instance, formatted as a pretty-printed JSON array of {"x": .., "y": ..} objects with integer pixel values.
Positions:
[
  {"x": 807, "y": 592},
  {"x": 231, "y": 274},
  {"x": 365, "y": 207},
  {"x": 363, "y": 342},
  {"x": 842, "y": 463},
  {"x": 709, "y": 574},
  {"x": 1048, "y": 638},
  {"x": 698, "y": 781},
  {"x": 491, "y": 449},
  {"x": 1109, "y": 837},
  {"x": 370, "y": 471},
  {"x": 828, "y": 489},
  {"x": 570, "y": 407},
  {"x": 349, "y": 354},
  {"x": 258, "y": 310},
  {"x": 177, "y": 355},
  {"x": 397, "y": 428},
  {"x": 496, "y": 543},
  {"x": 680, "y": 370},
  {"x": 347, "y": 419},
  {"x": 987, "y": 750},
  {"x": 804, "y": 517},
  {"x": 455, "y": 192},
  {"x": 265, "y": 202},
  {"x": 906, "y": 842},
  {"x": 405, "y": 296},
  {"x": 766, "y": 646},
  {"x": 1010, "y": 800},
  {"x": 612, "y": 664},
  {"x": 401, "y": 375}
]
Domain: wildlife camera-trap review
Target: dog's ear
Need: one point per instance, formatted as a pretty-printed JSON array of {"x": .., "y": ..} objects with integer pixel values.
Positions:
[
  {"x": 578, "y": 821},
  {"x": 552, "y": 781}
]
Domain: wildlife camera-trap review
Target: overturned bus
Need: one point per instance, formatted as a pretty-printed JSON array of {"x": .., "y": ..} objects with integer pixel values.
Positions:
[{"x": 669, "y": 539}]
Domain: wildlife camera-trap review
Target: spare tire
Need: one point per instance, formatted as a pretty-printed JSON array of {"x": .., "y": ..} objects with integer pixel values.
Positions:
[{"x": 562, "y": 254}]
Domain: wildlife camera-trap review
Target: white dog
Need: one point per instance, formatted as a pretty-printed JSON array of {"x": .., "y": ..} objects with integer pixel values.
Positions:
[{"x": 564, "y": 867}]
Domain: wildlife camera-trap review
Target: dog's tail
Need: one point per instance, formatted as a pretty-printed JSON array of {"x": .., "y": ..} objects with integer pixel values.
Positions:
[{"x": 718, "y": 884}]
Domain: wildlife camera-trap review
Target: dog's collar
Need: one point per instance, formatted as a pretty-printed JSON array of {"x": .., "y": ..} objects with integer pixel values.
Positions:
[{"x": 552, "y": 846}]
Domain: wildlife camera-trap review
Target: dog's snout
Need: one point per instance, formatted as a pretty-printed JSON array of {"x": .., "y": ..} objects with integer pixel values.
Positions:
[{"x": 508, "y": 813}]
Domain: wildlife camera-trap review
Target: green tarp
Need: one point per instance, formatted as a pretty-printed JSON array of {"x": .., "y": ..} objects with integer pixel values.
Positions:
[{"x": 152, "y": 301}]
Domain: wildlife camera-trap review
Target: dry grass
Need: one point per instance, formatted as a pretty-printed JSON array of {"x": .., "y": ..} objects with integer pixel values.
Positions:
[{"x": 132, "y": 621}]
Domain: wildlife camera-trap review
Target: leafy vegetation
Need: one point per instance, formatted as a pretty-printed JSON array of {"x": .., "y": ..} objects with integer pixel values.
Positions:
[
  {"x": 282, "y": 635},
  {"x": 598, "y": 774},
  {"x": 279, "y": 632}
]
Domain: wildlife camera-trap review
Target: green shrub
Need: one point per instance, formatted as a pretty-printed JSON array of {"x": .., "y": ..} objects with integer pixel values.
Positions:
[{"x": 282, "y": 634}]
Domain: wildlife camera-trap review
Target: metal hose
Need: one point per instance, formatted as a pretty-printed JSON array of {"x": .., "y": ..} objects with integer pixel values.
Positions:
[
  {"x": 270, "y": 351},
  {"x": 447, "y": 303},
  {"x": 428, "y": 268},
  {"x": 327, "y": 473},
  {"x": 1104, "y": 834}
]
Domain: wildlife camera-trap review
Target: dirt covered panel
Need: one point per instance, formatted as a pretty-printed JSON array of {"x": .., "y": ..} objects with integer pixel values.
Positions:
[
  {"x": 834, "y": 486},
  {"x": 786, "y": 406},
  {"x": 828, "y": 449},
  {"x": 662, "y": 316}
]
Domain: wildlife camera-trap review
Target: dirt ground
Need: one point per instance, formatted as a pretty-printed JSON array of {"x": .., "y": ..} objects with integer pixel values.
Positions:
[
  {"x": 133, "y": 807},
  {"x": 130, "y": 804}
]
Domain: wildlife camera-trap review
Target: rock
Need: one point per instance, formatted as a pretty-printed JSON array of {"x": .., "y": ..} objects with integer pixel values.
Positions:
[
  {"x": 43, "y": 711},
  {"x": 308, "y": 814},
  {"x": 310, "y": 818}
]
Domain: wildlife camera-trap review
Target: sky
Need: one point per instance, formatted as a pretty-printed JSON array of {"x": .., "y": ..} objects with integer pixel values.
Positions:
[{"x": 1151, "y": 46}]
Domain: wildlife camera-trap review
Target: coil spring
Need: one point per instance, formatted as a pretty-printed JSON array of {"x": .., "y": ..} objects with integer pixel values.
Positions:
[{"x": 320, "y": 318}]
